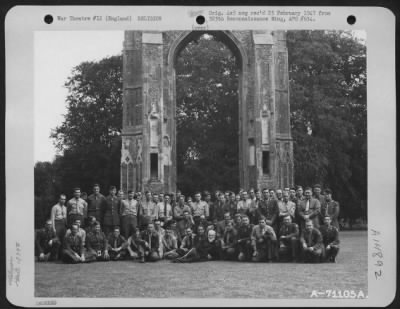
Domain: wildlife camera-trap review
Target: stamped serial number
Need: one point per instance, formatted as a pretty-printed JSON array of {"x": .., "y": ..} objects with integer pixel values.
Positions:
[{"x": 348, "y": 294}]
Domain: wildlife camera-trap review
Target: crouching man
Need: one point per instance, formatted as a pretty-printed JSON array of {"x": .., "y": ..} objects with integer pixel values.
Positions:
[
  {"x": 117, "y": 245},
  {"x": 330, "y": 238},
  {"x": 244, "y": 239},
  {"x": 97, "y": 245},
  {"x": 288, "y": 240},
  {"x": 151, "y": 244},
  {"x": 73, "y": 251},
  {"x": 311, "y": 244},
  {"x": 264, "y": 242},
  {"x": 47, "y": 243}
]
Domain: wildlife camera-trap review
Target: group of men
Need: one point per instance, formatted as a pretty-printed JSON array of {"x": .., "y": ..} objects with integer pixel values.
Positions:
[{"x": 268, "y": 225}]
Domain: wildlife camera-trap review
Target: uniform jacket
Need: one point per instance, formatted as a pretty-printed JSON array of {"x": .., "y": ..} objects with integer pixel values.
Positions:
[
  {"x": 313, "y": 211},
  {"x": 312, "y": 238},
  {"x": 111, "y": 211},
  {"x": 330, "y": 235},
  {"x": 290, "y": 230}
]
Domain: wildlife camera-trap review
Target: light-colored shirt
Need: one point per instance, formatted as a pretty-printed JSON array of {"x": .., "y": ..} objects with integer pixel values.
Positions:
[
  {"x": 77, "y": 207},
  {"x": 243, "y": 206},
  {"x": 58, "y": 212},
  {"x": 81, "y": 233},
  {"x": 200, "y": 208},
  {"x": 161, "y": 210},
  {"x": 129, "y": 207},
  {"x": 150, "y": 210},
  {"x": 286, "y": 208}
]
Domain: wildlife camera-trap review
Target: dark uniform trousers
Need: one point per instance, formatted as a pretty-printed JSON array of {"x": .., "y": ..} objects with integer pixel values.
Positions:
[
  {"x": 128, "y": 225},
  {"x": 244, "y": 242},
  {"x": 289, "y": 246},
  {"x": 227, "y": 249},
  {"x": 267, "y": 250},
  {"x": 43, "y": 237},
  {"x": 96, "y": 245},
  {"x": 72, "y": 245},
  {"x": 313, "y": 239},
  {"x": 114, "y": 243},
  {"x": 330, "y": 236},
  {"x": 151, "y": 252}
]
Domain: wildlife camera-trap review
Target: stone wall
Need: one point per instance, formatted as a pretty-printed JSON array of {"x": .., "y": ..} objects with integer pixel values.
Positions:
[{"x": 148, "y": 155}]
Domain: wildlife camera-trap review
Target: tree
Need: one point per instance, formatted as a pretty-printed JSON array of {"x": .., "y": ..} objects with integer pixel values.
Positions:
[
  {"x": 207, "y": 116},
  {"x": 327, "y": 71},
  {"x": 89, "y": 137}
]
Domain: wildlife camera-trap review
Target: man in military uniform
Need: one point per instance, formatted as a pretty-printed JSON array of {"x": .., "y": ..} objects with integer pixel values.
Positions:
[
  {"x": 311, "y": 244},
  {"x": 73, "y": 250},
  {"x": 330, "y": 238},
  {"x": 199, "y": 208},
  {"x": 264, "y": 242},
  {"x": 330, "y": 208},
  {"x": 110, "y": 211},
  {"x": 129, "y": 213},
  {"x": 47, "y": 243},
  {"x": 76, "y": 207},
  {"x": 269, "y": 209},
  {"x": 309, "y": 209},
  {"x": 244, "y": 239},
  {"x": 152, "y": 244},
  {"x": 117, "y": 245},
  {"x": 97, "y": 245},
  {"x": 58, "y": 217},
  {"x": 96, "y": 203},
  {"x": 228, "y": 243},
  {"x": 317, "y": 194},
  {"x": 288, "y": 240},
  {"x": 286, "y": 207},
  {"x": 187, "y": 242},
  {"x": 149, "y": 210}
]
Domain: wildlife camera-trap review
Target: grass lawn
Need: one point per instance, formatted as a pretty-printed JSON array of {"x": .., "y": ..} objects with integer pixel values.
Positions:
[{"x": 213, "y": 279}]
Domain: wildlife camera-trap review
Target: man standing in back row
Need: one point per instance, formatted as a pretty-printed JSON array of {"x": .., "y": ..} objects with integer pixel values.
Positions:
[{"x": 96, "y": 203}]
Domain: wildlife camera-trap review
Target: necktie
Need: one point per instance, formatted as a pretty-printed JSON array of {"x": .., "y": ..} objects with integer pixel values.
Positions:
[
  {"x": 165, "y": 209},
  {"x": 309, "y": 238},
  {"x": 307, "y": 205},
  {"x": 150, "y": 240},
  {"x": 115, "y": 243}
]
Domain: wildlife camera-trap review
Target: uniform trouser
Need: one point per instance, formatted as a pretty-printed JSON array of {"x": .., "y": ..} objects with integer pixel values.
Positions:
[
  {"x": 68, "y": 256},
  {"x": 245, "y": 250},
  {"x": 152, "y": 255},
  {"x": 59, "y": 226},
  {"x": 170, "y": 255},
  {"x": 190, "y": 256},
  {"x": 116, "y": 256},
  {"x": 331, "y": 253},
  {"x": 290, "y": 249},
  {"x": 314, "y": 256},
  {"x": 266, "y": 250},
  {"x": 229, "y": 254},
  {"x": 128, "y": 225},
  {"x": 51, "y": 251},
  {"x": 73, "y": 217},
  {"x": 91, "y": 255}
]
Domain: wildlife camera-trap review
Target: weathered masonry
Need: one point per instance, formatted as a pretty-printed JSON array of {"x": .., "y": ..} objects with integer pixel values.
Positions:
[{"x": 148, "y": 155}]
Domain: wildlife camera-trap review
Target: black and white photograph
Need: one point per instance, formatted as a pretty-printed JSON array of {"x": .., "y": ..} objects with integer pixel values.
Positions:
[{"x": 203, "y": 163}]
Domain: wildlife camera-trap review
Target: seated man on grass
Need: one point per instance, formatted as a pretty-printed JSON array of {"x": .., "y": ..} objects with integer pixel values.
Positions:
[{"x": 47, "y": 243}]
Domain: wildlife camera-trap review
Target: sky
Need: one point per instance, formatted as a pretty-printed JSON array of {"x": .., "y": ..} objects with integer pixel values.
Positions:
[{"x": 56, "y": 53}]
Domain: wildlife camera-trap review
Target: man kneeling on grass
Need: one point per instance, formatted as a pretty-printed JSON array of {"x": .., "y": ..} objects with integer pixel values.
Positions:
[
  {"x": 288, "y": 240},
  {"x": 330, "y": 238},
  {"x": 47, "y": 243},
  {"x": 264, "y": 242},
  {"x": 73, "y": 251},
  {"x": 97, "y": 245},
  {"x": 311, "y": 244},
  {"x": 151, "y": 244},
  {"x": 117, "y": 245}
]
